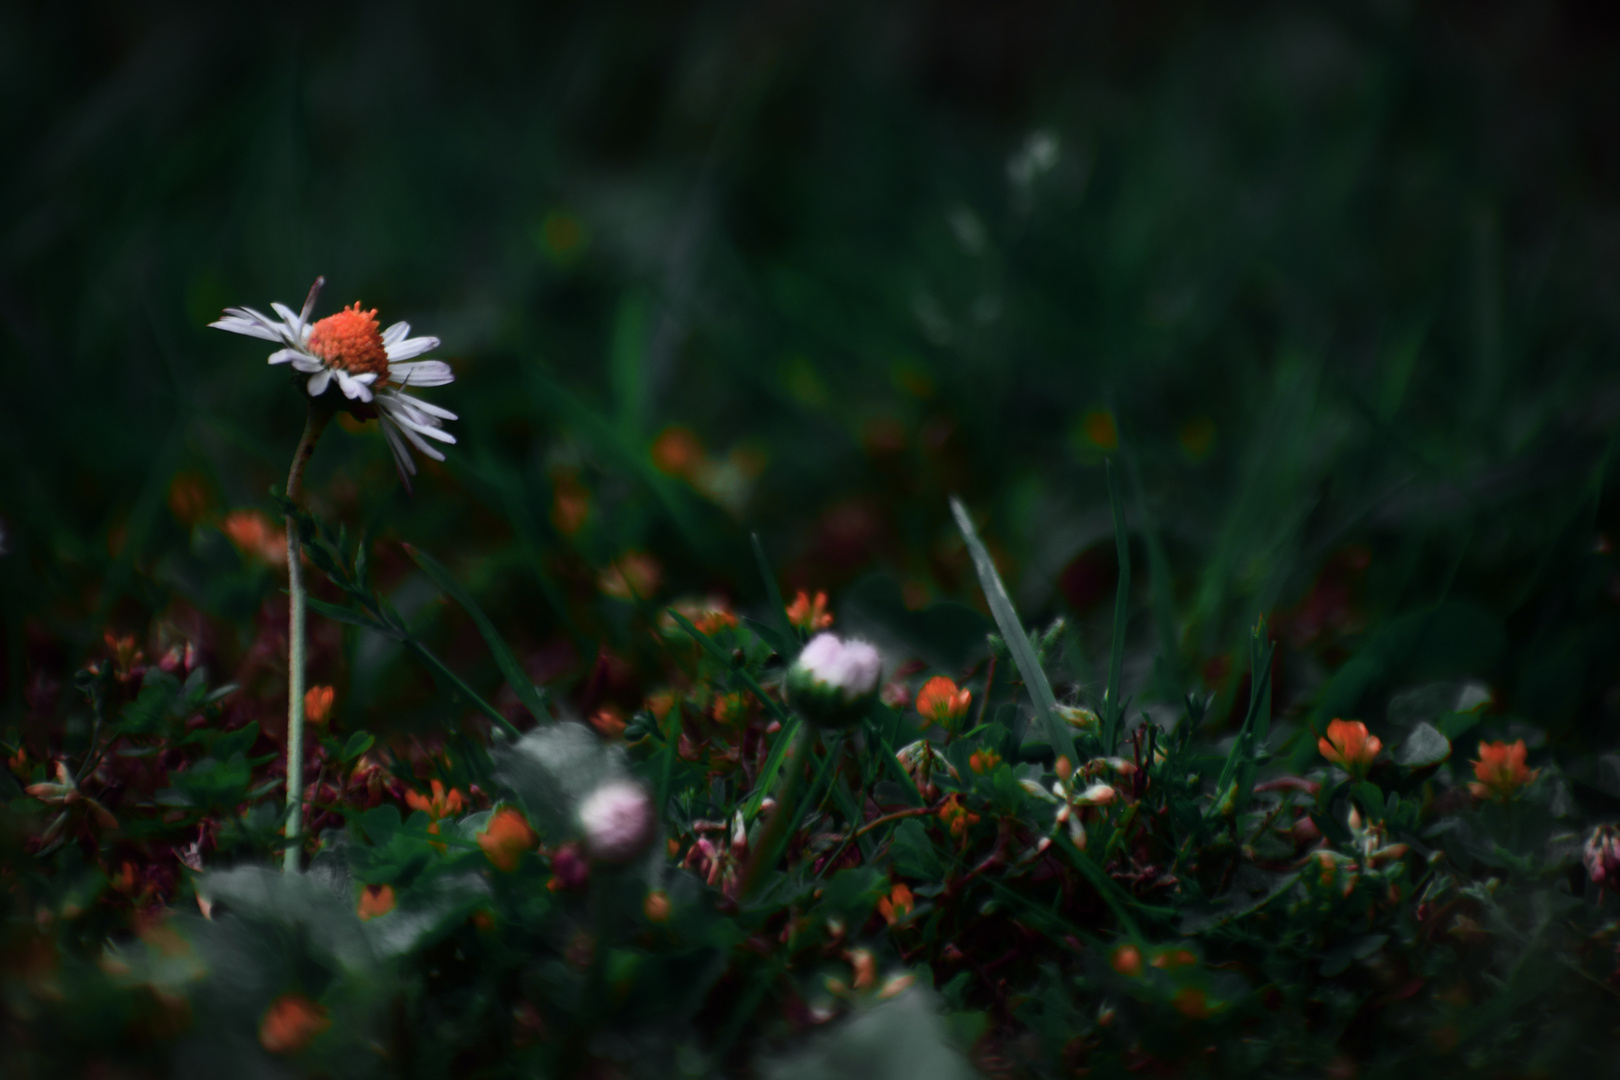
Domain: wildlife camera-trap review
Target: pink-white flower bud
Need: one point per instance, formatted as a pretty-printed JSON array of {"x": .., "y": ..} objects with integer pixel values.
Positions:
[
  {"x": 833, "y": 680},
  {"x": 1602, "y": 855},
  {"x": 617, "y": 821}
]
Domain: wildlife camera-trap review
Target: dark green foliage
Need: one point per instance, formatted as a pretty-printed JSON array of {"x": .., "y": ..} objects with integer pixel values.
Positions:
[{"x": 1272, "y": 349}]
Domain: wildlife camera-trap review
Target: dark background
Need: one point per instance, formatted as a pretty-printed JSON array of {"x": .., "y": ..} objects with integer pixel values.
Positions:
[{"x": 1343, "y": 275}]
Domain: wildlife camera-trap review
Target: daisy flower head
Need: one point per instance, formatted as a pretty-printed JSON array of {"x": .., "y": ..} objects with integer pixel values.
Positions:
[{"x": 348, "y": 354}]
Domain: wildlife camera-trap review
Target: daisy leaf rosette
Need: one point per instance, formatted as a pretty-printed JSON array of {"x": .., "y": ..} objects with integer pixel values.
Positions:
[
  {"x": 365, "y": 369},
  {"x": 834, "y": 680}
]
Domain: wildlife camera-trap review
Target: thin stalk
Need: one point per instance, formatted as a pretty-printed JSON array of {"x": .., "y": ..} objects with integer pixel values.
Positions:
[{"x": 297, "y": 644}]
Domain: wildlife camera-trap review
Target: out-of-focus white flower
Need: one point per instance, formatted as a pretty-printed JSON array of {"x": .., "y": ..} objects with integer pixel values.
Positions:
[
  {"x": 833, "y": 680},
  {"x": 370, "y": 367},
  {"x": 617, "y": 821}
]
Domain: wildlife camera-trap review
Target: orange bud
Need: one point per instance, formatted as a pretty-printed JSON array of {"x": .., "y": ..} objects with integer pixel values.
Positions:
[
  {"x": 1127, "y": 960},
  {"x": 656, "y": 906},
  {"x": 1348, "y": 745},
  {"x": 898, "y": 904},
  {"x": 809, "y": 615},
  {"x": 318, "y": 704},
  {"x": 291, "y": 1022},
  {"x": 506, "y": 838},
  {"x": 940, "y": 701},
  {"x": 1064, "y": 769},
  {"x": 376, "y": 900},
  {"x": 1500, "y": 772}
]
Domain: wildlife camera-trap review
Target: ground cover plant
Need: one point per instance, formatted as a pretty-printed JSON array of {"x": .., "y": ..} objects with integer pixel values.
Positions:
[{"x": 1045, "y": 543}]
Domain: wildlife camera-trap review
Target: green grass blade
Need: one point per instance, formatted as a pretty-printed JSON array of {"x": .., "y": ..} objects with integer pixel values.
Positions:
[
  {"x": 459, "y": 685},
  {"x": 721, "y": 655},
  {"x": 1023, "y": 653},
  {"x": 516, "y": 677},
  {"x": 773, "y": 593},
  {"x": 1114, "y": 704},
  {"x": 1239, "y": 761}
]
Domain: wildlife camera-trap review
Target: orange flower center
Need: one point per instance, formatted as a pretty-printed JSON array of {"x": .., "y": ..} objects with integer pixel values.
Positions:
[{"x": 350, "y": 340}]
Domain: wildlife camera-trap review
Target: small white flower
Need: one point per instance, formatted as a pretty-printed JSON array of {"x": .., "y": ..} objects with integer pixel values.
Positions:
[
  {"x": 850, "y": 667},
  {"x": 371, "y": 367},
  {"x": 617, "y": 820}
]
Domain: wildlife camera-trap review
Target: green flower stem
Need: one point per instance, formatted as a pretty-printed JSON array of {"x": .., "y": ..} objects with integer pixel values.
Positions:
[
  {"x": 296, "y": 641},
  {"x": 788, "y": 808}
]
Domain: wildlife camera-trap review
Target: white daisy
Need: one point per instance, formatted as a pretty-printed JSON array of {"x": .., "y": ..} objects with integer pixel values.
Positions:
[{"x": 371, "y": 368}]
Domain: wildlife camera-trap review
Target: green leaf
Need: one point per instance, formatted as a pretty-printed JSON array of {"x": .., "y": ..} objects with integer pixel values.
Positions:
[
  {"x": 358, "y": 743},
  {"x": 532, "y": 697},
  {"x": 773, "y": 765},
  {"x": 1113, "y": 704},
  {"x": 338, "y": 613},
  {"x": 1012, "y": 630},
  {"x": 1424, "y": 747},
  {"x": 773, "y": 594}
]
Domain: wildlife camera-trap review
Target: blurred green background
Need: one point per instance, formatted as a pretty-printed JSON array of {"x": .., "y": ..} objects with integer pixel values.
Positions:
[{"x": 1334, "y": 285}]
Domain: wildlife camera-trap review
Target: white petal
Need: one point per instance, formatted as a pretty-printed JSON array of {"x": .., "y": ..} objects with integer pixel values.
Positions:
[
  {"x": 402, "y": 456},
  {"x": 396, "y": 332},
  {"x": 288, "y": 316},
  {"x": 431, "y": 430},
  {"x": 416, "y": 441},
  {"x": 417, "y": 405},
  {"x": 309, "y": 301},
  {"x": 421, "y": 373},
  {"x": 302, "y": 361},
  {"x": 318, "y": 381},
  {"x": 250, "y": 322},
  {"x": 354, "y": 386},
  {"x": 409, "y": 347},
  {"x": 281, "y": 356}
]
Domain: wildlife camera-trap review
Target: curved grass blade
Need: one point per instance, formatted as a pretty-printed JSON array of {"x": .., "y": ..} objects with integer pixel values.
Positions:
[
  {"x": 1114, "y": 703},
  {"x": 1023, "y": 654},
  {"x": 532, "y": 697},
  {"x": 773, "y": 593}
]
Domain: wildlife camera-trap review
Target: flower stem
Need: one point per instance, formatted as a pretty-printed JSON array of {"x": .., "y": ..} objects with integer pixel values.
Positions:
[{"x": 296, "y": 642}]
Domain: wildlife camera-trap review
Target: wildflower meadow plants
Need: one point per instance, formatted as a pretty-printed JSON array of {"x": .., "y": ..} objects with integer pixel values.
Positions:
[{"x": 770, "y": 868}]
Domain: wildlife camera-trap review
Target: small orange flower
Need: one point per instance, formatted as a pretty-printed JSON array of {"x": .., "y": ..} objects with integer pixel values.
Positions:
[
  {"x": 291, "y": 1022},
  {"x": 1500, "y": 771},
  {"x": 1348, "y": 745},
  {"x": 637, "y": 575},
  {"x": 1127, "y": 960},
  {"x": 570, "y": 504},
  {"x": 256, "y": 536},
  {"x": 188, "y": 497},
  {"x": 677, "y": 452},
  {"x": 983, "y": 761},
  {"x": 318, "y": 704},
  {"x": 1101, "y": 431},
  {"x": 940, "y": 702},
  {"x": 656, "y": 906},
  {"x": 506, "y": 838},
  {"x": 956, "y": 816},
  {"x": 730, "y": 709},
  {"x": 376, "y": 900},
  {"x": 439, "y": 805},
  {"x": 898, "y": 905},
  {"x": 712, "y": 622},
  {"x": 1174, "y": 958},
  {"x": 609, "y": 722},
  {"x": 809, "y": 615},
  {"x": 1191, "y": 1002}
]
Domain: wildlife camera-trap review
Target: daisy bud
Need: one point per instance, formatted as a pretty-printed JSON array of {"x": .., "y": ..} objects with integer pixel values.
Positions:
[
  {"x": 834, "y": 680},
  {"x": 617, "y": 820},
  {"x": 1602, "y": 854}
]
